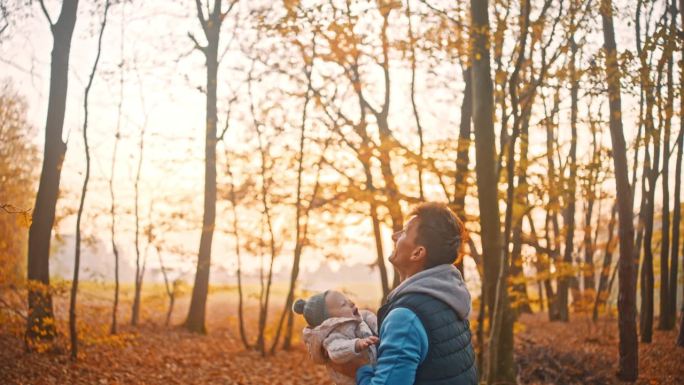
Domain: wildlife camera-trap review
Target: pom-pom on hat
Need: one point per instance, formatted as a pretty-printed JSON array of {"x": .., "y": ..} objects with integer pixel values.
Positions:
[{"x": 313, "y": 309}]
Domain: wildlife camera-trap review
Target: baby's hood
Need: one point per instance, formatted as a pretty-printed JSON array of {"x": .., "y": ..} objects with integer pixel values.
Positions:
[{"x": 314, "y": 337}]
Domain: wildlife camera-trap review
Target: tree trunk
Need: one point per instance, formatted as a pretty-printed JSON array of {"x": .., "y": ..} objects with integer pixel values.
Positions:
[
  {"x": 172, "y": 300},
  {"x": 265, "y": 182},
  {"x": 380, "y": 257},
  {"x": 588, "y": 276},
  {"x": 552, "y": 209},
  {"x": 236, "y": 234},
  {"x": 40, "y": 321},
  {"x": 462, "y": 155},
  {"x": 300, "y": 213},
  {"x": 569, "y": 214},
  {"x": 674, "y": 255},
  {"x": 263, "y": 311},
  {"x": 650, "y": 175},
  {"x": 545, "y": 266},
  {"x": 628, "y": 362},
  {"x": 517, "y": 275},
  {"x": 500, "y": 364},
  {"x": 198, "y": 303},
  {"x": 139, "y": 269},
  {"x": 647, "y": 278},
  {"x": 112, "y": 210},
  {"x": 665, "y": 321},
  {"x": 602, "y": 293},
  {"x": 73, "y": 332},
  {"x": 386, "y": 140},
  {"x": 170, "y": 287},
  {"x": 419, "y": 127}
]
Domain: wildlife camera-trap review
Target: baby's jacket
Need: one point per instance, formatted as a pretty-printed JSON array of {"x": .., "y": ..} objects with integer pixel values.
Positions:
[{"x": 335, "y": 339}]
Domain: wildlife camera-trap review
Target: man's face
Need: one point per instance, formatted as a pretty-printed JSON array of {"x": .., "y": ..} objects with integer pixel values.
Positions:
[{"x": 405, "y": 248}]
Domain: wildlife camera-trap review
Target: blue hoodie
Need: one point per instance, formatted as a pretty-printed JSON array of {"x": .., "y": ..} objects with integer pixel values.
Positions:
[{"x": 403, "y": 340}]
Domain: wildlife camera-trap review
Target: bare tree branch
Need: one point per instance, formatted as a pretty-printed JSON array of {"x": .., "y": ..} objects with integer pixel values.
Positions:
[
  {"x": 200, "y": 15},
  {"x": 46, "y": 13},
  {"x": 230, "y": 8},
  {"x": 10, "y": 209},
  {"x": 198, "y": 46},
  {"x": 225, "y": 127}
]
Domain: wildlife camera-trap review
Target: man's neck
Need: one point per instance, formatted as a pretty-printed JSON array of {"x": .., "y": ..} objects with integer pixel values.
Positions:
[{"x": 404, "y": 275}]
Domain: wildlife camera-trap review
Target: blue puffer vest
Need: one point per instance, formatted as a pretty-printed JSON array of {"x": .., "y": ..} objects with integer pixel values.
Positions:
[{"x": 450, "y": 358}]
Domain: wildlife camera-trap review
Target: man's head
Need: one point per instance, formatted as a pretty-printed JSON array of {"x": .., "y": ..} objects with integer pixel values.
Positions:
[{"x": 432, "y": 236}]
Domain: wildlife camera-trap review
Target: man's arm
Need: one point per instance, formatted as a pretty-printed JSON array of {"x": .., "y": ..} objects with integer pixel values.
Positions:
[{"x": 403, "y": 346}]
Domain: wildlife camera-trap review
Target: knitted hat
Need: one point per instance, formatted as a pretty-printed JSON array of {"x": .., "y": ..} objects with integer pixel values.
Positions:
[{"x": 313, "y": 309}]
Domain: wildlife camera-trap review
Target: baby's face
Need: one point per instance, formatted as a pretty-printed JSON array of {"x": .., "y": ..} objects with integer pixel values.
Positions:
[{"x": 340, "y": 306}]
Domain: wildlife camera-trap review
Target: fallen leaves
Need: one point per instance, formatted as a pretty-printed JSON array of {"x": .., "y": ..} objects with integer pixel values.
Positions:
[
  {"x": 584, "y": 352},
  {"x": 578, "y": 352}
]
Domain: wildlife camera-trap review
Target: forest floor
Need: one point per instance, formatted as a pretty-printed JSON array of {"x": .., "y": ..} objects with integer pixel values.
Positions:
[
  {"x": 586, "y": 352},
  {"x": 579, "y": 352}
]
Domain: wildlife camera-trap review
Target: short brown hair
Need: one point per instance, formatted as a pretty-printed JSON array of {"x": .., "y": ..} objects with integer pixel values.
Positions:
[{"x": 440, "y": 232}]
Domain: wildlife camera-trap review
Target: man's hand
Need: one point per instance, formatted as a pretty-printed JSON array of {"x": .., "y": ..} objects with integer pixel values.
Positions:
[
  {"x": 364, "y": 343},
  {"x": 349, "y": 368}
]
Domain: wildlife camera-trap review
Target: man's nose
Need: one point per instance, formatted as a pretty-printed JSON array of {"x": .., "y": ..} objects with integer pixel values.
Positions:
[{"x": 395, "y": 236}]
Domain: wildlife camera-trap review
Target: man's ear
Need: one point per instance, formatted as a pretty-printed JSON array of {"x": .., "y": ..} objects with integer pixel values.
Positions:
[{"x": 419, "y": 254}]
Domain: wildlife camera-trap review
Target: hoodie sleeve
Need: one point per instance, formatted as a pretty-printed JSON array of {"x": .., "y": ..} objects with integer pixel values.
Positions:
[{"x": 403, "y": 346}]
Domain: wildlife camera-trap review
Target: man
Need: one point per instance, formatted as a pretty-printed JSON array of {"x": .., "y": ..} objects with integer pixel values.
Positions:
[{"x": 424, "y": 328}]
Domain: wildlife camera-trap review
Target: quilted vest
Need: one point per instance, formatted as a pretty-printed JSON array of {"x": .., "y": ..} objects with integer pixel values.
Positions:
[{"x": 450, "y": 358}]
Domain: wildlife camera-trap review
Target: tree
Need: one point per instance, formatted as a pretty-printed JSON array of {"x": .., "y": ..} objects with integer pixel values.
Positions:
[
  {"x": 112, "y": 207},
  {"x": 18, "y": 162},
  {"x": 4, "y": 16},
  {"x": 416, "y": 115},
  {"x": 603, "y": 289},
  {"x": 569, "y": 213},
  {"x": 266, "y": 181},
  {"x": 73, "y": 332},
  {"x": 140, "y": 261},
  {"x": 300, "y": 232},
  {"x": 522, "y": 97},
  {"x": 677, "y": 204},
  {"x": 651, "y": 173},
  {"x": 173, "y": 276},
  {"x": 211, "y": 25},
  {"x": 501, "y": 285},
  {"x": 628, "y": 363},
  {"x": 499, "y": 365},
  {"x": 346, "y": 54},
  {"x": 40, "y": 322},
  {"x": 171, "y": 287},
  {"x": 592, "y": 194},
  {"x": 236, "y": 234},
  {"x": 666, "y": 321},
  {"x": 381, "y": 113},
  {"x": 302, "y": 209},
  {"x": 465, "y": 126},
  {"x": 552, "y": 207},
  {"x": 462, "y": 157}
]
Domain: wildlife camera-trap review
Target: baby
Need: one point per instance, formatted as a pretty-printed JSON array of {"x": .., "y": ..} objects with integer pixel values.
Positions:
[{"x": 338, "y": 332}]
